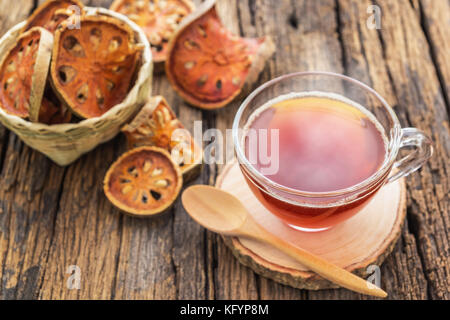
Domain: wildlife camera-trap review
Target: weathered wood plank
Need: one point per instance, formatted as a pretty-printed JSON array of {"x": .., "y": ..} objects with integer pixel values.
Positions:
[
  {"x": 29, "y": 195},
  {"x": 232, "y": 280},
  {"x": 145, "y": 265},
  {"x": 436, "y": 25},
  {"x": 363, "y": 53},
  {"x": 29, "y": 201},
  {"x": 87, "y": 232},
  {"x": 402, "y": 274},
  {"x": 421, "y": 104},
  {"x": 11, "y": 14}
]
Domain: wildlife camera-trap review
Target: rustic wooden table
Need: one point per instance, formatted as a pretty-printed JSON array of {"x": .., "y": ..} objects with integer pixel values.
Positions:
[{"x": 52, "y": 218}]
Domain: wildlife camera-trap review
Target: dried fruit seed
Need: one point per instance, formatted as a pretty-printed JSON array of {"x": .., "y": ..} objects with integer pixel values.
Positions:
[
  {"x": 127, "y": 189},
  {"x": 189, "y": 64},
  {"x": 157, "y": 172},
  {"x": 161, "y": 183},
  {"x": 147, "y": 166},
  {"x": 160, "y": 117}
]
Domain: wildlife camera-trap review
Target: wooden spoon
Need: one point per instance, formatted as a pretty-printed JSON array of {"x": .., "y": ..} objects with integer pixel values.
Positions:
[{"x": 223, "y": 213}]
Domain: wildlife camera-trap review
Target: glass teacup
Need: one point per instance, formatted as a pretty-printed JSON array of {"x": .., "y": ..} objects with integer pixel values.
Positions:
[{"x": 319, "y": 210}]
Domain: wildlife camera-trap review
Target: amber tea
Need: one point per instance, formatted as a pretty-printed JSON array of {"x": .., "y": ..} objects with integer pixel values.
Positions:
[{"x": 326, "y": 143}]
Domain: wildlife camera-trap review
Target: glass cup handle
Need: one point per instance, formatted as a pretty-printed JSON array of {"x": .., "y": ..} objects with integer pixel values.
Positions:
[{"x": 412, "y": 137}]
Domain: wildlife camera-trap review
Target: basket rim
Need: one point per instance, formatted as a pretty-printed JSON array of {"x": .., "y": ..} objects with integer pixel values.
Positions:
[{"x": 147, "y": 62}]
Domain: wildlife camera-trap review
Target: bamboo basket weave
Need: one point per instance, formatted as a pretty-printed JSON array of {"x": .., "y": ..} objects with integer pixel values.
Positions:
[{"x": 64, "y": 143}]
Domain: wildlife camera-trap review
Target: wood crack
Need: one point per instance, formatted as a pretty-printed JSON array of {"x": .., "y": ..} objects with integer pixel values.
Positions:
[
  {"x": 252, "y": 9},
  {"x": 383, "y": 52},
  {"x": 35, "y": 5},
  {"x": 53, "y": 232},
  {"x": 413, "y": 228},
  {"x": 4, "y": 147},
  {"x": 117, "y": 262},
  {"x": 293, "y": 18},
  {"x": 206, "y": 266},
  {"x": 3, "y": 281},
  {"x": 209, "y": 178},
  {"x": 364, "y": 56},
  {"x": 172, "y": 258},
  {"x": 239, "y": 16},
  {"x": 432, "y": 50},
  {"x": 339, "y": 35}
]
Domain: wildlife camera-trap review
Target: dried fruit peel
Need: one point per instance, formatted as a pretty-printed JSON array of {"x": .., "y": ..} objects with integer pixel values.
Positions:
[
  {"x": 51, "y": 13},
  {"x": 155, "y": 125},
  {"x": 207, "y": 65},
  {"x": 21, "y": 93},
  {"x": 93, "y": 67},
  {"x": 144, "y": 181},
  {"x": 158, "y": 19}
]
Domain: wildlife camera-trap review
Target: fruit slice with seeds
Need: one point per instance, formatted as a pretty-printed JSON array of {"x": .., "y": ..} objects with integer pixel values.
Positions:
[
  {"x": 23, "y": 73},
  {"x": 207, "y": 65},
  {"x": 157, "y": 125},
  {"x": 93, "y": 67},
  {"x": 158, "y": 18},
  {"x": 144, "y": 181},
  {"x": 51, "y": 13}
]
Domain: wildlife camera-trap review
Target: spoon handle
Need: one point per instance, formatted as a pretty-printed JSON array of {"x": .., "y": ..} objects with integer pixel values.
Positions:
[{"x": 317, "y": 264}]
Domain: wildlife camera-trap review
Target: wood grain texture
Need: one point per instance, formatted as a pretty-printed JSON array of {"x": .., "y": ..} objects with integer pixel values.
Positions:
[
  {"x": 435, "y": 22},
  {"x": 52, "y": 218},
  {"x": 421, "y": 104}
]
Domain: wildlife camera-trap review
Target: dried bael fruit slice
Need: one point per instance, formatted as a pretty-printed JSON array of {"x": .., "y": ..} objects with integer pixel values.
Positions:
[
  {"x": 157, "y": 125},
  {"x": 23, "y": 73},
  {"x": 144, "y": 181},
  {"x": 207, "y": 65},
  {"x": 158, "y": 18},
  {"x": 52, "y": 12},
  {"x": 93, "y": 67}
]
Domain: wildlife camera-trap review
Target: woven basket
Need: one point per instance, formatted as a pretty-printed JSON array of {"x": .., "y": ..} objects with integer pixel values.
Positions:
[{"x": 64, "y": 143}]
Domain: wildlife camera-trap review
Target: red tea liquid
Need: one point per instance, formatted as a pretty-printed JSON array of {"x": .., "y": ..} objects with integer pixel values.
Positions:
[{"x": 326, "y": 143}]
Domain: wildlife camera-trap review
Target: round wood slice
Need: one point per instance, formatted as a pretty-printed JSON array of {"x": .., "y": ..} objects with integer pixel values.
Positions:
[{"x": 363, "y": 240}]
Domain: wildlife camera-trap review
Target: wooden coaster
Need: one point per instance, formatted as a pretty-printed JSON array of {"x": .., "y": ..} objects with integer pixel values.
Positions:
[{"x": 363, "y": 240}]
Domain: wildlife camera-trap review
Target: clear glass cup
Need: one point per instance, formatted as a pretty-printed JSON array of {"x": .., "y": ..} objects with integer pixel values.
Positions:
[{"x": 316, "y": 211}]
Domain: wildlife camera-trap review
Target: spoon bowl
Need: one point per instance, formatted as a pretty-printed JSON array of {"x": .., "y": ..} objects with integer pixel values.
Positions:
[{"x": 210, "y": 213}]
